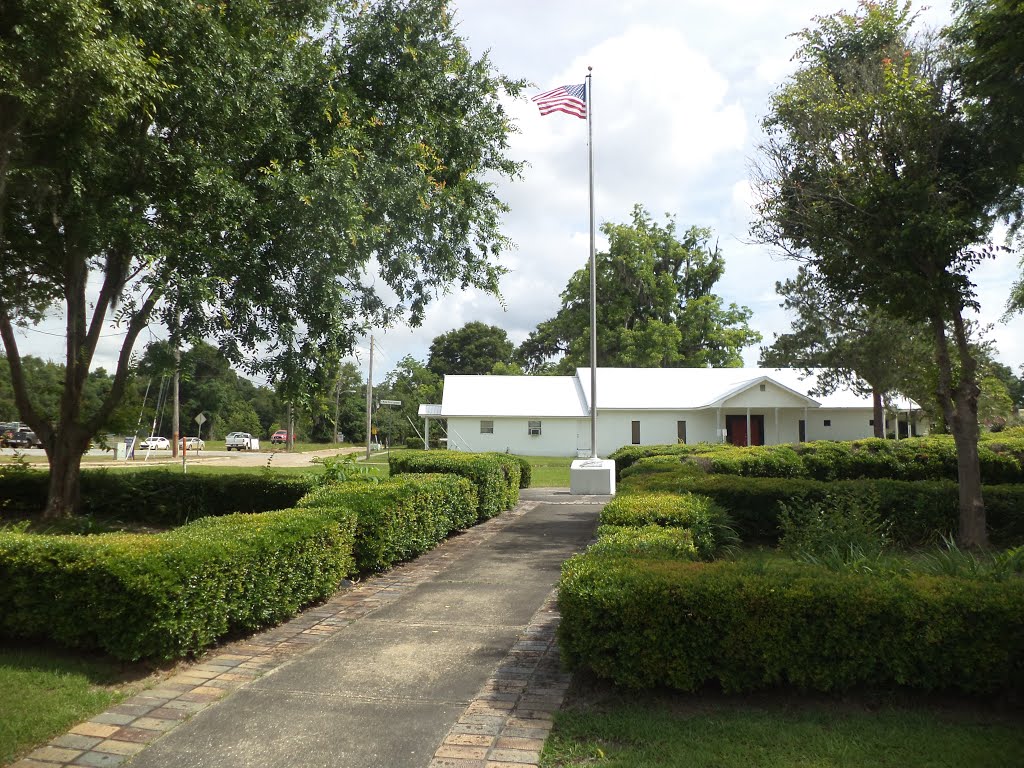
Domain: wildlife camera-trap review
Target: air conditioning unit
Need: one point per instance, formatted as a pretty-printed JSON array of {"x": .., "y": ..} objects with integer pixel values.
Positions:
[{"x": 534, "y": 430}]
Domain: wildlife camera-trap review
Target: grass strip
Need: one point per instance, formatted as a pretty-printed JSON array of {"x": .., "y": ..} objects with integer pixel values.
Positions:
[
  {"x": 45, "y": 692},
  {"x": 637, "y": 736}
]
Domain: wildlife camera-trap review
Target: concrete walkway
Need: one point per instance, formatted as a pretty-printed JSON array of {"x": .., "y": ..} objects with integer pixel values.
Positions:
[{"x": 446, "y": 662}]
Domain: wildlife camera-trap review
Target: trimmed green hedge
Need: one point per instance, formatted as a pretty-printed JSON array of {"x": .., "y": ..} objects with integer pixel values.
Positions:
[
  {"x": 159, "y": 497},
  {"x": 649, "y": 623},
  {"x": 918, "y": 458},
  {"x": 647, "y": 541},
  {"x": 706, "y": 520},
  {"x": 918, "y": 512},
  {"x": 401, "y": 517},
  {"x": 171, "y": 594},
  {"x": 495, "y": 475}
]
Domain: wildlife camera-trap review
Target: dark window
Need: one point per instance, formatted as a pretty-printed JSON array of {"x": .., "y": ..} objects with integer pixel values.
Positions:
[
  {"x": 762, "y": 387},
  {"x": 486, "y": 427},
  {"x": 828, "y": 422},
  {"x": 803, "y": 431},
  {"x": 871, "y": 422},
  {"x": 636, "y": 433},
  {"x": 533, "y": 427},
  {"x": 681, "y": 431}
]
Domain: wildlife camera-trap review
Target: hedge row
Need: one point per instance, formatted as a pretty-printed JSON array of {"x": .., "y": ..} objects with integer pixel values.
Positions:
[
  {"x": 402, "y": 517},
  {"x": 706, "y": 521},
  {"x": 920, "y": 458},
  {"x": 918, "y": 512},
  {"x": 172, "y": 594},
  {"x": 158, "y": 497},
  {"x": 651, "y": 541},
  {"x": 648, "y": 623},
  {"x": 496, "y": 476}
]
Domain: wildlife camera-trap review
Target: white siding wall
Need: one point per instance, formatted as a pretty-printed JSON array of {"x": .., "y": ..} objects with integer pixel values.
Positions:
[
  {"x": 846, "y": 424},
  {"x": 571, "y": 437},
  {"x": 558, "y": 437}
]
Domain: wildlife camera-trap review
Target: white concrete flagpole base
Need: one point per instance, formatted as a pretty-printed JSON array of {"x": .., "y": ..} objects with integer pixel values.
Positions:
[{"x": 592, "y": 477}]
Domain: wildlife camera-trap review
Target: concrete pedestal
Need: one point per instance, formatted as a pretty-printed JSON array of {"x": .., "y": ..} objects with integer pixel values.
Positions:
[{"x": 592, "y": 477}]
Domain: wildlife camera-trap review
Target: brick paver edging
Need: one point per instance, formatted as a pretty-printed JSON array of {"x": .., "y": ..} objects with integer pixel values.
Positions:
[
  {"x": 506, "y": 724},
  {"x": 112, "y": 737}
]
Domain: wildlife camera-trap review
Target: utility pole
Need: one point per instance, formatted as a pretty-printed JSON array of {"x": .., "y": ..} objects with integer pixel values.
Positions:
[
  {"x": 369, "y": 401},
  {"x": 337, "y": 397},
  {"x": 176, "y": 419}
]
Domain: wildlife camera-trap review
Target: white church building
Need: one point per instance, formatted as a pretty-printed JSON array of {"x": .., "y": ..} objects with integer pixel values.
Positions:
[{"x": 550, "y": 415}]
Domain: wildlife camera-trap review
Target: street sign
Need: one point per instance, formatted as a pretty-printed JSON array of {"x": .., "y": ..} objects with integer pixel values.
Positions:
[
  {"x": 390, "y": 402},
  {"x": 200, "y": 419}
]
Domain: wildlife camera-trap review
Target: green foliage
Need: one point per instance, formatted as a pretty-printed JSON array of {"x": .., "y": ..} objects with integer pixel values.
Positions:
[
  {"x": 918, "y": 458},
  {"x": 323, "y": 152},
  {"x": 172, "y": 594},
  {"x": 707, "y": 522},
  {"x": 158, "y": 497},
  {"x": 657, "y": 310},
  {"x": 918, "y": 512},
  {"x": 837, "y": 526},
  {"x": 343, "y": 469},
  {"x": 401, "y": 517},
  {"x": 496, "y": 475},
  {"x": 651, "y": 541},
  {"x": 650, "y": 623},
  {"x": 525, "y": 471},
  {"x": 473, "y": 349}
]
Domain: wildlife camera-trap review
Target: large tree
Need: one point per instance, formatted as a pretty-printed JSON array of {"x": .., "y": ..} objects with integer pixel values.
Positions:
[
  {"x": 655, "y": 306},
  {"x": 872, "y": 178},
  {"x": 988, "y": 56},
  {"x": 235, "y": 171},
  {"x": 866, "y": 350},
  {"x": 475, "y": 348}
]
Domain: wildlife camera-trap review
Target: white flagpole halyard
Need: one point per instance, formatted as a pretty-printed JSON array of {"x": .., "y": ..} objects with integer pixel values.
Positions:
[{"x": 593, "y": 272}]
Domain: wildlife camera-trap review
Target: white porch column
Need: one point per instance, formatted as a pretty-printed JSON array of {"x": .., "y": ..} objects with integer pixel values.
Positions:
[
  {"x": 718, "y": 424},
  {"x": 776, "y": 426},
  {"x": 748, "y": 427},
  {"x": 426, "y": 433}
]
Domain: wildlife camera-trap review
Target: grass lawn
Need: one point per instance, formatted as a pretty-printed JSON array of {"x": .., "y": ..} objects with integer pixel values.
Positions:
[
  {"x": 45, "y": 692},
  {"x": 615, "y": 729},
  {"x": 549, "y": 471}
]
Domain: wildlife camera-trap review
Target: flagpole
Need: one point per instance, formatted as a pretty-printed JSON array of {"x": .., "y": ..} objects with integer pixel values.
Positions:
[{"x": 593, "y": 276}]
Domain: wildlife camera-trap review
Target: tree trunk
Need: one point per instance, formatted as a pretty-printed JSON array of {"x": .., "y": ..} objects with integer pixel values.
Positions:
[
  {"x": 877, "y": 412},
  {"x": 65, "y": 455},
  {"x": 973, "y": 533},
  {"x": 960, "y": 407}
]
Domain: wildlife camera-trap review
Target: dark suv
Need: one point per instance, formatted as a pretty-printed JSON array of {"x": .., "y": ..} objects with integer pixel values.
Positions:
[{"x": 23, "y": 438}]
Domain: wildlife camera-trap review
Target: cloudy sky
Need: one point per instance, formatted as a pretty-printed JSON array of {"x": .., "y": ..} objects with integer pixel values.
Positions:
[{"x": 679, "y": 90}]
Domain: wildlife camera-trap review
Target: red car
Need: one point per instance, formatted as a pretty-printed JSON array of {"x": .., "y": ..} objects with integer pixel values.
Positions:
[{"x": 281, "y": 436}]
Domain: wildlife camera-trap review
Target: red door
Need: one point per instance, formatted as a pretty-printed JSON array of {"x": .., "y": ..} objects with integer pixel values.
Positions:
[{"x": 736, "y": 429}]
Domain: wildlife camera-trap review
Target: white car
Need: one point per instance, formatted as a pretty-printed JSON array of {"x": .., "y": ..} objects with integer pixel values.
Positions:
[
  {"x": 154, "y": 443},
  {"x": 192, "y": 444}
]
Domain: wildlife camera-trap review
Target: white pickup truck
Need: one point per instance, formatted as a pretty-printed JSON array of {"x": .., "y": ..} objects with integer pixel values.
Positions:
[{"x": 242, "y": 441}]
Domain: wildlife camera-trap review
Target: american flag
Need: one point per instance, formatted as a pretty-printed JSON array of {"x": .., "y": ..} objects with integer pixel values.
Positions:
[{"x": 571, "y": 99}]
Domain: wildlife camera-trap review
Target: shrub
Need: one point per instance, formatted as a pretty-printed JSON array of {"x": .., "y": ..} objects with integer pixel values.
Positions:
[
  {"x": 647, "y": 541},
  {"x": 706, "y": 520},
  {"x": 648, "y": 623},
  {"x": 838, "y": 524},
  {"x": 495, "y": 475},
  {"x": 159, "y": 497},
  {"x": 918, "y": 458},
  {"x": 917, "y": 512},
  {"x": 525, "y": 471},
  {"x": 171, "y": 594},
  {"x": 401, "y": 517}
]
